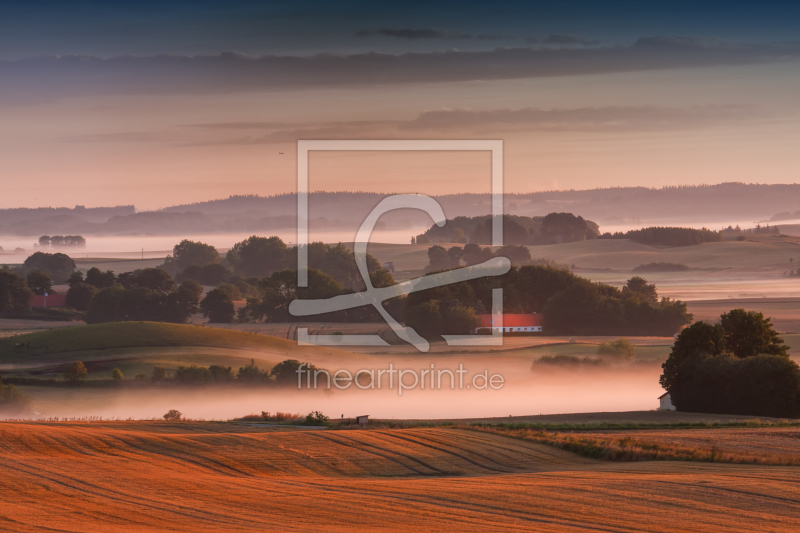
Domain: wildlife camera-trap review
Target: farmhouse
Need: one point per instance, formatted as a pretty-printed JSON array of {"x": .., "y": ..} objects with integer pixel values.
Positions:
[
  {"x": 510, "y": 323},
  {"x": 51, "y": 300}
]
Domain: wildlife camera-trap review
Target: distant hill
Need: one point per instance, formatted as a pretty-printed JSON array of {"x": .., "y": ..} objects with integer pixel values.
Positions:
[{"x": 721, "y": 203}]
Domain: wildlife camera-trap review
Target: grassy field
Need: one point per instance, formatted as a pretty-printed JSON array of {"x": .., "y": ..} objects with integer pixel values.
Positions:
[
  {"x": 136, "y": 347},
  {"x": 221, "y": 477},
  {"x": 757, "y": 252}
]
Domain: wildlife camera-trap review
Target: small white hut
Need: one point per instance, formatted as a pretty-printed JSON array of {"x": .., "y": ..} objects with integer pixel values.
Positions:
[{"x": 665, "y": 402}]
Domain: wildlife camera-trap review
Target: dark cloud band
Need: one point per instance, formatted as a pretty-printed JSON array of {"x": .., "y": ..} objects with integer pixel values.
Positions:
[{"x": 232, "y": 72}]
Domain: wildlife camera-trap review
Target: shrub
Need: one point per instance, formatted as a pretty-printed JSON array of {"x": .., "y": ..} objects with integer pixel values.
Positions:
[
  {"x": 75, "y": 372},
  {"x": 316, "y": 418},
  {"x": 566, "y": 360},
  {"x": 251, "y": 373},
  {"x": 116, "y": 374},
  {"x": 173, "y": 414},
  {"x": 661, "y": 267},
  {"x": 221, "y": 374},
  {"x": 158, "y": 374},
  {"x": 193, "y": 375},
  {"x": 286, "y": 372},
  {"x": 12, "y": 400},
  {"x": 621, "y": 348}
]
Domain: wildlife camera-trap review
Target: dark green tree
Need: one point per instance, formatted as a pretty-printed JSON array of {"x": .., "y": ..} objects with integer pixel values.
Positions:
[
  {"x": 39, "y": 282},
  {"x": 748, "y": 333},
  {"x": 251, "y": 374},
  {"x": 75, "y": 372},
  {"x": 101, "y": 279},
  {"x": 218, "y": 307},
  {"x": 79, "y": 296},
  {"x": 438, "y": 259},
  {"x": 221, "y": 374},
  {"x": 518, "y": 255},
  {"x": 257, "y": 256},
  {"x": 285, "y": 372},
  {"x": 15, "y": 296},
  {"x": 187, "y": 253},
  {"x": 638, "y": 287},
  {"x": 59, "y": 266}
]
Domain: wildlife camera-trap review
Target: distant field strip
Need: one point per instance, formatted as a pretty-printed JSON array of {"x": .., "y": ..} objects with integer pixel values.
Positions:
[
  {"x": 199, "y": 477},
  {"x": 773, "y": 446}
]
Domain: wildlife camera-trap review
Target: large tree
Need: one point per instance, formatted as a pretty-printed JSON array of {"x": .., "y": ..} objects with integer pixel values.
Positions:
[
  {"x": 257, "y": 256},
  {"x": 59, "y": 266},
  {"x": 15, "y": 296},
  {"x": 154, "y": 279},
  {"x": 739, "y": 366},
  {"x": 100, "y": 279},
  {"x": 79, "y": 296},
  {"x": 218, "y": 306},
  {"x": 187, "y": 253},
  {"x": 748, "y": 333},
  {"x": 39, "y": 282}
]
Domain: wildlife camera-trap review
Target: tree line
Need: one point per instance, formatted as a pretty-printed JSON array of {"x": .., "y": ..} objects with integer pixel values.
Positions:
[
  {"x": 570, "y": 305},
  {"x": 658, "y": 236},
  {"x": 76, "y": 374},
  {"x": 59, "y": 241},
  {"x": 554, "y": 228}
]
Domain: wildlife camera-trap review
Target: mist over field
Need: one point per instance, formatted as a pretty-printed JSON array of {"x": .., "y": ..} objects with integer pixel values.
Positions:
[{"x": 546, "y": 391}]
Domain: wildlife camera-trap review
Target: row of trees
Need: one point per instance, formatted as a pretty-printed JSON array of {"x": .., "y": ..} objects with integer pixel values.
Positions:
[
  {"x": 59, "y": 241},
  {"x": 148, "y": 294},
  {"x": 554, "y": 228},
  {"x": 657, "y": 236},
  {"x": 739, "y": 366},
  {"x": 440, "y": 258},
  {"x": 259, "y": 257},
  {"x": 284, "y": 373},
  {"x": 570, "y": 305},
  {"x": 280, "y": 289}
]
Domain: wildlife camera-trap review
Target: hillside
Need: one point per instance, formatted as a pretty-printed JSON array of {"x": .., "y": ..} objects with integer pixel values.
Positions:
[
  {"x": 757, "y": 252},
  {"x": 134, "y": 335},
  {"x": 710, "y": 204},
  {"x": 136, "y": 347}
]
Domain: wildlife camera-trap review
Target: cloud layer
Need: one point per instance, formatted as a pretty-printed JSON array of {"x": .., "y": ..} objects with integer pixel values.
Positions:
[
  {"x": 454, "y": 123},
  {"x": 51, "y": 77},
  {"x": 425, "y": 33}
]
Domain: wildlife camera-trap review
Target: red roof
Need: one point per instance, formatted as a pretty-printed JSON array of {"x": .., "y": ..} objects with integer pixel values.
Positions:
[
  {"x": 54, "y": 300},
  {"x": 512, "y": 321}
]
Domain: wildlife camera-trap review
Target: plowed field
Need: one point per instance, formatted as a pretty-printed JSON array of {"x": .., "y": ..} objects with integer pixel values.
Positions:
[{"x": 220, "y": 477}]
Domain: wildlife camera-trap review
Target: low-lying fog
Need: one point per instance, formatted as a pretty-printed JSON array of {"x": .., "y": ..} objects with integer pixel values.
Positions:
[
  {"x": 161, "y": 245},
  {"x": 547, "y": 391}
]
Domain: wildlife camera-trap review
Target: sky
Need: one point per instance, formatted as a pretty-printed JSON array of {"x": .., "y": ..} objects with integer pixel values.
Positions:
[{"x": 164, "y": 103}]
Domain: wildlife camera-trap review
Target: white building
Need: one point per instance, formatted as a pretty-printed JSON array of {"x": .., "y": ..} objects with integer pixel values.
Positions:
[{"x": 665, "y": 401}]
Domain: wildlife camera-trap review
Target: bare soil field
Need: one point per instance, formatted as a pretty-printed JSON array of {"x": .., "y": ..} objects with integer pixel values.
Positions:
[{"x": 218, "y": 477}]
